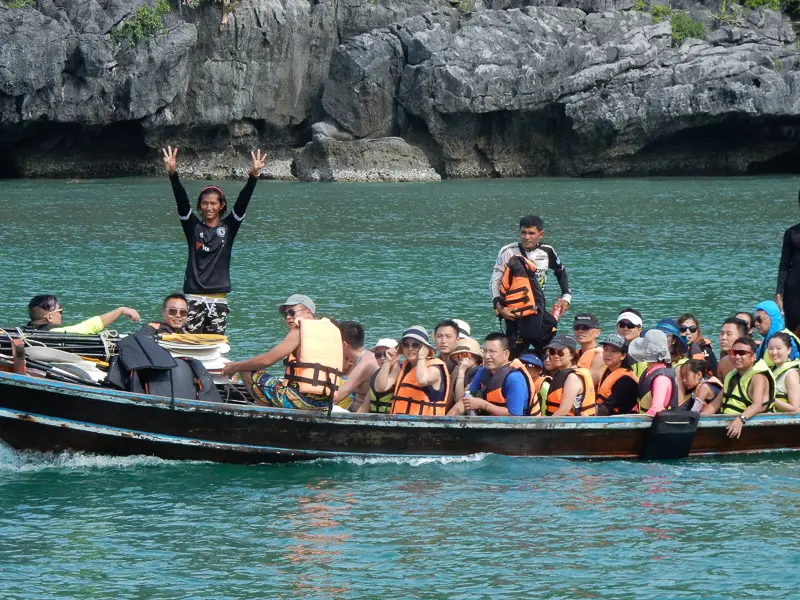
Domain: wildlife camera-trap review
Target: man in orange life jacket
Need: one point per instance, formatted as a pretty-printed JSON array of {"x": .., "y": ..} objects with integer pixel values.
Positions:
[
  {"x": 586, "y": 329},
  {"x": 497, "y": 389},
  {"x": 315, "y": 358},
  {"x": 528, "y": 321}
]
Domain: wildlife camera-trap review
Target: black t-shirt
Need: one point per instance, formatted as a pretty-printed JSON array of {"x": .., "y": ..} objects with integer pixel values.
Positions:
[{"x": 209, "y": 263}]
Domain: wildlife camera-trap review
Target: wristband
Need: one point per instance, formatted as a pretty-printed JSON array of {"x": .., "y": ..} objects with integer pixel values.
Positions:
[{"x": 743, "y": 419}]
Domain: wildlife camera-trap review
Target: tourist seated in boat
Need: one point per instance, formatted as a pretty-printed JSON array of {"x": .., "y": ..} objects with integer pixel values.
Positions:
[
  {"x": 786, "y": 373},
  {"x": 446, "y": 336},
  {"x": 572, "y": 391},
  {"x": 699, "y": 385},
  {"x": 422, "y": 382},
  {"x": 174, "y": 310},
  {"x": 468, "y": 358},
  {"x": 732, "y": 329},
  {"x": 629, "y": 326},
  {"x": 498, "y": 388},
  {"x": 364, "y": 365},
  {"x": 380, "y": 400},
  {"x": 46, "y": 314},
  {"x": 747, "y": 390},
  {"x": 618, "y": 387},
  {"x": 586, "y": 329},
  {"x": 769, "y": 321},
  {"x": 315, "y": 359},
  {"x": 749, "y": 321},
  {"x": 699, "y": 347},
  {"x": 658, "y": 387},
  {"x": 678, "y": 346},
  {"x": 534, "y": 365},
  {"x": 464, "y": 330}
]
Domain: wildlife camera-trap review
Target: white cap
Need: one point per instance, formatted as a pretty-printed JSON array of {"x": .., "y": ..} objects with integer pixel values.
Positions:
[
  {"x": 463, "y": 328},
  {"x": 632, "y": 317},
  {"x": 385, "y": 343}
]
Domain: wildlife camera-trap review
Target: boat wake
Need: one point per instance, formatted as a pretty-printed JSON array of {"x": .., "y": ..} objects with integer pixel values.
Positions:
[
  {"x": 412, "y": 461},
  {"x": 31, "y": 462}
]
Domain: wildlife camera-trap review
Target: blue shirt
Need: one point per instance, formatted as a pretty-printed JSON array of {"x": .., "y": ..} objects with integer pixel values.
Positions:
[{"x": 515, "y": 390}]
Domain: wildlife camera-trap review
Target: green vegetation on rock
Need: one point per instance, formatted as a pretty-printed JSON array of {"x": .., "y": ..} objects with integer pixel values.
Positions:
[
  {"x": 145, "y": 23},
  {"x": 661, "y": 13},
  {"x": 770, "y": 4},
  {"x": 640, "y": 5},
  {"x": 20, "y": 3},
  {"x": 685, "y": 27}
]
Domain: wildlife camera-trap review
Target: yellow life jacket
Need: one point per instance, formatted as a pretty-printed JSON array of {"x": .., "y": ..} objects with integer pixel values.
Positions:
[
  {"x": 317, "y": 367},
  {"x": 645, "y": 391},
  {"x": 379, "y": 402},
  {"x": 778, "y": 373},
  {"x": 766, "y": 358},
  {"x": 639, "y": 368},
  {"x": 736, "y": 398}
]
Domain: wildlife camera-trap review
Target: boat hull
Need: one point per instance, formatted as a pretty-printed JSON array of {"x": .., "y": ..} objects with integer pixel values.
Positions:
[{"x": 51, "y": 416}]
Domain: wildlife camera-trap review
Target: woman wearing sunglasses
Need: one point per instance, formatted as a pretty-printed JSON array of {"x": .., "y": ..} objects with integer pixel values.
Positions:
[
  {"x": 786, "y": 374},
  {"x": 421, "y": 384},
  {"x": 468, "y": 358},
  {"x": 699, "y": 347},
  {"x": 571, "y": 391},
  {"x": 769, "y": 321},
  {"x": 380, "y": 400},
  {"x": 747, "y": 390}
]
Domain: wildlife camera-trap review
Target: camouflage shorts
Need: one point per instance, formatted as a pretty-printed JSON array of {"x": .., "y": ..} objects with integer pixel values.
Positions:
[{"x": 207, "y": 317}]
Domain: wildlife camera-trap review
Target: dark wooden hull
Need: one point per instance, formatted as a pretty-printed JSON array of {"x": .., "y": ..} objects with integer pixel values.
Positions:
[{"x": 51, "y": 416}]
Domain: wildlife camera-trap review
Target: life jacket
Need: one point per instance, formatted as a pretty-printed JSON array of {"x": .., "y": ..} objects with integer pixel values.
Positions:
[
  {"x": 696, "y": 350},
  {"x": 736, "y": 398},
  {"x": 492, "y": 391},
  {"x": 586, "y": 358},
  {"x": 645, "y": 391},
  {"x": 379, "y": 402},
  {"x": 542, "y": 388},
  {"x": 587, "y": 406},
  {"x": 164, "y": 328},
  {"x": 689, "y": 395},
  {"x": 639, "y": 368},
  {"x": 679, "y": 362},
  {"x": 779, "y": 373},
  {"x": 410, "y": 398},
  {"x": 519, "y": 288},
  {"x": 317, "y": 367},
  {"x": 763, "y": 346},
  {"x": 607, "y": 381}
]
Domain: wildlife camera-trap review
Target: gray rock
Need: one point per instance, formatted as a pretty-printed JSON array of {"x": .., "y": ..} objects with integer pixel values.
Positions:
[
  {"x": 385, "y": 159},
  {"x": 330, "y": 130}
]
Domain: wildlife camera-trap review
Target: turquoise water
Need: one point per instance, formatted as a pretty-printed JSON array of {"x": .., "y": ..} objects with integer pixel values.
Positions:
[{"x": 390, "y": 256}]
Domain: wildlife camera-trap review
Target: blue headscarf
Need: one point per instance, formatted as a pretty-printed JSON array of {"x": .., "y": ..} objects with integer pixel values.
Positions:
[{"x": 776, "y": 325}]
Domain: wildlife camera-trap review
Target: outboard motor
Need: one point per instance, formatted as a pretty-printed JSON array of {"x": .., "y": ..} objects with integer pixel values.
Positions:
[{"x": 670, "y": 436}]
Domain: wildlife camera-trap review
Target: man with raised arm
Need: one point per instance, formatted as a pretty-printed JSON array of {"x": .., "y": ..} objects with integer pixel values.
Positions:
[
  {"x": 207, "y": 280},
  {"x": 46, "y": 314},
  {"x": 518, "y": 280}
]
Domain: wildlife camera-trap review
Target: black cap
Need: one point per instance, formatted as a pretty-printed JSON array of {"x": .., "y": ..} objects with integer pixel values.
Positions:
[
  {"x": 564, "y": 341},
  {"x": 587, "y": 319}
]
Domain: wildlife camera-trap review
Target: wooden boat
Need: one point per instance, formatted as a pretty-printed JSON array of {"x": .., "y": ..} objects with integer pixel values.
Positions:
[{"x": 48, "y": 415}]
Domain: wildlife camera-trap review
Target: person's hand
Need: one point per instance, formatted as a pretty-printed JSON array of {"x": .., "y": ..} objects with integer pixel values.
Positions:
[
  {"x": 473, "y": 403},
  {"x": 171, "y": 159},
  {"x": 230, "y": 369},
  {"x": 392, "y": 356},
  {"x": 464, "y": 365},
  {"x": 507, "y": 314},
  {"x": 735, "y": 428},
  {"x": 132, "y": 314},
  {"x": 779, "y": 302},
  {"x": 563, "y": 304},
  {"x": 258, "y": 160},
  {"x": 423, "y": 353}
]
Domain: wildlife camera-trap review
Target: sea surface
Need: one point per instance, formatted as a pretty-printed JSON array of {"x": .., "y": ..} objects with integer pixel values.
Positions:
[{"x": 392, "y": 255}]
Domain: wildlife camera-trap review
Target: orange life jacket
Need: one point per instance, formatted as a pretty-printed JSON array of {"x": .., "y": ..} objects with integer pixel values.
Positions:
[
  {"x": 412, "y": 399},
  {"x": 586, "y": 358},
  {"x": 317, "y": 366},
  {"x": 519, "y": 288},
  {"x": 607, "y": 381},
  {"x": 587, "y": 406},
  {"x": 493, "y": 392}
]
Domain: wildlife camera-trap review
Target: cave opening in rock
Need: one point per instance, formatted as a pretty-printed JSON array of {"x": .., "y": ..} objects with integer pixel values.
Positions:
[{"x": 8, "y": 166}]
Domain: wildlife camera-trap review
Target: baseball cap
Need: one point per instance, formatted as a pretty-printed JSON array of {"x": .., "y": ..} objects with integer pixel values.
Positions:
[
  {"x": 463, "y": 328},
  {"x": 529, "y": 358},
  {"x": 616, "y": 341},
  {"x": 298, "y": 299},
  {"x": 630, "y": 316},
  {"x": 563, "y": 341},
  {"x": 587, "y": 319}
]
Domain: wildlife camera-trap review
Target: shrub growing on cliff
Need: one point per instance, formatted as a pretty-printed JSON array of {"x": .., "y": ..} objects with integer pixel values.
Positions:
[
  {"x": 661, "y": 12},
  {"x": 685, "y": 27},
  {"x": 640, "y": 5},
  {"x": 770, "y": 4},
  {"x": 20, "y": 3},
  {"x": 791, "y": 6},
  {"x": 145, "y": 23}
]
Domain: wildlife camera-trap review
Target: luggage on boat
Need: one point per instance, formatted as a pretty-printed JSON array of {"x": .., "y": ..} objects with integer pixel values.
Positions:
[{"x": 144, "y": 367}]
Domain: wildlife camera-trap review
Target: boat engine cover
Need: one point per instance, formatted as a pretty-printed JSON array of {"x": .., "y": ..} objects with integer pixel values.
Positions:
[{"x": 671, "y": 435}]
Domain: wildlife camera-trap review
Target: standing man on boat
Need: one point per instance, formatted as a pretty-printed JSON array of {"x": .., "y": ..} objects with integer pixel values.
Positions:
[
  {"x": 518, "y": 287},
  {"x": 787, "y": 295},
  {"x": 207, "y": 280}
]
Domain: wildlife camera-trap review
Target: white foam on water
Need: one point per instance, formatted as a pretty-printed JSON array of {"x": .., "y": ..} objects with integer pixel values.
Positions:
[
  {"x": 31, "y": 462},
  {"x": 412, "y": 461}
]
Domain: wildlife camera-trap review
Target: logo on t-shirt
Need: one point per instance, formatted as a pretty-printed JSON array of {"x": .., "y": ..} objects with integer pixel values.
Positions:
[{"x": 221, "y": 231}]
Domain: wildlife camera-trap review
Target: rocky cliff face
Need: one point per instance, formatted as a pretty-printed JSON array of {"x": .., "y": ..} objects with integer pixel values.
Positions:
[{"x": 483, "y": 88}]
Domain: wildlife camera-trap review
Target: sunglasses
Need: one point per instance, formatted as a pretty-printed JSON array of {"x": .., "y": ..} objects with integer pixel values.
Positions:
[
  {"x": 412, "y": 345},
  {"x": 58, "y": 310},
  {"x": 582, "y": 328},
  {"x": 174, "y": 312},
  {"x": 290, "y": 312},
  {"x": 758, "y": 321},
  {"x": 556, "y": 352},
  {"x": 626, "y": 325},
  {"x": 741, "y": 352},
  {"x": 689, "y": 328},
  {"x": 380, "y": 354}
]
